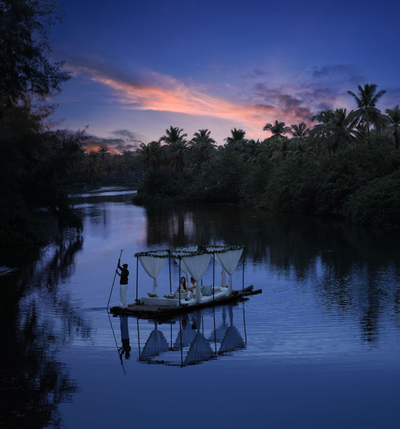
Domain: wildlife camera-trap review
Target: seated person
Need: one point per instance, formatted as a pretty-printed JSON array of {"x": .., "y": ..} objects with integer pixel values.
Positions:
[
  {"x": 182, "y": 285},
  {"x": 192, "y": 286}
]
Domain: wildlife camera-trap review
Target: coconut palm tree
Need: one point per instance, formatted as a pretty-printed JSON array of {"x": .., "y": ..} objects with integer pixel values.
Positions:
[
  {"x": 321, "y": 131},
  {"x": 394, "y": 120},
  {"x": 203, "y": 145},
  {"x": 149, "y": 154},
  {"x": 278, "y": 129},
  {"x": 250, "y": 152},
  {"x": 177, "y": 147},
  {"x": 300, "y": 131},
  {"x": 325, "y": 116},
  {"x": 341, "y": 130},
  {"x": 236, "y": 139},
  {"x": 366, "y": 100}
]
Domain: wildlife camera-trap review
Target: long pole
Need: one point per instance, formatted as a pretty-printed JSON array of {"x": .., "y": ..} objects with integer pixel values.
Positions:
[
  {"x": 169, "y": 263},
  {"x": 137, "y": 278},
  {"x": 115, "y": 275},
  {"x": 243, "y": 274},
  {"x": 179, "y": 282}
]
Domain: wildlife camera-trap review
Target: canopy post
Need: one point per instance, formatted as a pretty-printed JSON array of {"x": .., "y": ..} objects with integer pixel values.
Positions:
[
  {"x": 169, "y": 263},
  {"x": 179, "y": 287},
  {"x": 213, "y": 275},
  {"x": 243, "y": 275},
  {"x": 137, "y": 278}
]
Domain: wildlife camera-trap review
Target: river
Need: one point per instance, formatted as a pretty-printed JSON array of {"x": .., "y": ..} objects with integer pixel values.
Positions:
[{"x": 319, "y": 348}]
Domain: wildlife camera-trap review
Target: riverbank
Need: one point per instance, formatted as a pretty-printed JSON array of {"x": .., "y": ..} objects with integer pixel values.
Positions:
[{"x": 360, "y": 184}]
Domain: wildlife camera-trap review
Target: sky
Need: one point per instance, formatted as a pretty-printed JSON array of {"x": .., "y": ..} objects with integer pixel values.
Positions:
[{"x": 139, "y": 67}]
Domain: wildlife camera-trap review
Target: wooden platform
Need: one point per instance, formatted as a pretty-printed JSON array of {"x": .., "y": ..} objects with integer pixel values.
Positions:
[{"x": 154, "y": 311}]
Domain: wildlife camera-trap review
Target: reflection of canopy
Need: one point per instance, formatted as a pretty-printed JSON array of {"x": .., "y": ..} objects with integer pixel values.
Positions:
[
  {"x": 232, "y": 341},
  {"x": 155, "y": 345},
  {"x": 185, "y": 336},
  {"x": 200, "y": 350},
  {"x": 228, "y": 336}
]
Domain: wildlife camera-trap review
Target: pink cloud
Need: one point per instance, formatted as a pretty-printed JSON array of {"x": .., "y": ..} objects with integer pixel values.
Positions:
[{"x": 164, "y": 93}]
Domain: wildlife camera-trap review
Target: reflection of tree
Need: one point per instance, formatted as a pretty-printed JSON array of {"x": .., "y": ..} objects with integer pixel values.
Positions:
[
  {"x": 33, "y": 382},
  {"x": 353, "y": 269}
]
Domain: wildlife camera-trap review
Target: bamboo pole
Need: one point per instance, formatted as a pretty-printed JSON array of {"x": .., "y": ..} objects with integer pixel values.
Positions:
[
  {"x": 243, "y": 274},
  {"x": 115, "y": 275},
  {"x": 137, "y": 278},
  {"x": 169, "y": 263},
  {"x": 179, "y": 282}
]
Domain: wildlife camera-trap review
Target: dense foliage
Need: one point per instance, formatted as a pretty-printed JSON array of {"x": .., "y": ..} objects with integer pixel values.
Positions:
[
  {"x": 35, "y": 160},
  {"x": 346, "y": 165}
]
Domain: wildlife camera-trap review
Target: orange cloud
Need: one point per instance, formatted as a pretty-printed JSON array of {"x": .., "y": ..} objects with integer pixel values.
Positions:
[
  {"x": 165, "y": 93},
  {"x": 173, "y": 96}
]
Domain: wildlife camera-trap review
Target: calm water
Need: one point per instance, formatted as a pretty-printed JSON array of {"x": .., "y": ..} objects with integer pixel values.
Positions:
[{"x": 319, "y": 348}]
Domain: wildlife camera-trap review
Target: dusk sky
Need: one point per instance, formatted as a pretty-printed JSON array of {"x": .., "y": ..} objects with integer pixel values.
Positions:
[{"x": 140, "y": 67}]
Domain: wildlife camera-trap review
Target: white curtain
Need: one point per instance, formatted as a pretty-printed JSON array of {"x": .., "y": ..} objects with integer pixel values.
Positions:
[
  {"x": 153, "y": 267},
  {"x": 197, "y": 266},
  {"x": 223, "y": 278},
  {"x": 228, "y": 261},
  {"x": 184, "y": 268}
]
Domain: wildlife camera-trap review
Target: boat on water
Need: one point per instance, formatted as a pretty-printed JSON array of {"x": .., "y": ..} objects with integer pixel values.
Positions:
[{"x": 193, "y": 261}]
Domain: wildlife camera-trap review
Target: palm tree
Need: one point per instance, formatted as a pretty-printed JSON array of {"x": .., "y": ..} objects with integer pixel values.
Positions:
[
  {"x": 321, "y": 131},
  {"x": 203, "y": 145},
  {"x": 325, "y": 116},
  {"x": 299, "y": 132},
  {"x": 250, "y": 153},
  {"x": 341, "y": 130},
  {"x": 236, "y": 138},
  {"x": 149, "y": 154},
  {"x": 176, "y": 146},
  {"x": 394, "y": 120},
  {"x": 104, "y": 152},
  {"x": 277, "y": 130},
  {"x": 366, "y": 100}
]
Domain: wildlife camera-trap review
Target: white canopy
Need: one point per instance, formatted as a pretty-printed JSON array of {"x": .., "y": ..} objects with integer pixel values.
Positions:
[
  {"x": 153, "y": 265},
  {"x": 197, "y": 266},
  {"x": 193, "y": 260},
  {"x": 228, "y": 259}
]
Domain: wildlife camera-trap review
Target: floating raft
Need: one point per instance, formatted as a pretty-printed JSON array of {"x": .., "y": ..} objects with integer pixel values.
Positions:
[{"x": 157, "y": 311}]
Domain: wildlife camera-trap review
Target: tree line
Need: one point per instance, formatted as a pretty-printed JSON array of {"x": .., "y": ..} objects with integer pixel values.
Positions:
[{"x": 345, "y": 165}]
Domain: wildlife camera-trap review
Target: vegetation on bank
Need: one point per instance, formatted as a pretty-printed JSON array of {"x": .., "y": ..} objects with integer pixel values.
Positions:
[{"x": 346, "y": 165}]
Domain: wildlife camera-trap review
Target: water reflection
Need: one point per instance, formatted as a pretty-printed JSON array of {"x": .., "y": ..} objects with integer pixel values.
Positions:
[
  {"x": 37, "y": 317},
  {"x": 193, "y": 338},
  {"x": 352, "y": 269}
]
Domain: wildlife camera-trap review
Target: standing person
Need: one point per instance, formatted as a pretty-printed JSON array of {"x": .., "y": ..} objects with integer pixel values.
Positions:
[{"x": 123, "y": 284}]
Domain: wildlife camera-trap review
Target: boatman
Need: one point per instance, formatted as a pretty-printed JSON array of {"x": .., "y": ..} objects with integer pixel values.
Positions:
[{"x": 123, "y": 284}]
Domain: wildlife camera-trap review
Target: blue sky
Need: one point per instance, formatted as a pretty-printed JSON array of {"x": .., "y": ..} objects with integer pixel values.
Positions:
[{"x": 140, "y": 67}]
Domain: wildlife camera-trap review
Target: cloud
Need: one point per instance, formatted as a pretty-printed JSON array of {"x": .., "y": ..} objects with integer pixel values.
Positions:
[
  {"x": 125, "y": 140},
  {"x": 157, "y": 92},
  {"x": 248, "y": 105}
]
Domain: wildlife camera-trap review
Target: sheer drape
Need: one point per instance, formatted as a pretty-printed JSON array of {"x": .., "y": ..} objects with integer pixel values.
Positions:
[
  {"x": 228, "y": 261},
  {"x": 197, "y": 266},
  {"x": 153, "y": 267}
]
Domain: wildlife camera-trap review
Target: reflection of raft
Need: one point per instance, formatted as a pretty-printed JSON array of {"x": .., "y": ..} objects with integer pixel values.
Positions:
[
  {"x": 154, "y": 311},
  {"x": 191, "y": 346}
]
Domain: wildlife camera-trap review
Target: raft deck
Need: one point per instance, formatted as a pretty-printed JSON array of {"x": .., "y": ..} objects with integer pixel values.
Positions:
[{"x": 155, "y": 311}]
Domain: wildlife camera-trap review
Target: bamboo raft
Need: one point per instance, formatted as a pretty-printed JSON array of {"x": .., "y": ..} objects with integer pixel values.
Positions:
[{"x": 156, "y": 311}]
